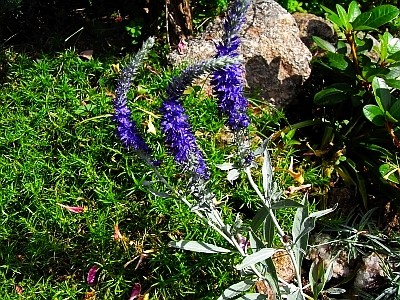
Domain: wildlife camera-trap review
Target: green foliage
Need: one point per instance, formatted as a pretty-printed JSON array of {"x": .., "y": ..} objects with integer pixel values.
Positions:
[
  {"x": 134, "y": 28},
  {"x": 362, "y": 101},
  {"x": 57, "y": 147},
  {"x": 8, "y": 6}
]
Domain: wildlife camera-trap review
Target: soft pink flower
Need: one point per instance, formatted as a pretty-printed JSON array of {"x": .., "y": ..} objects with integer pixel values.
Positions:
[
  {"x": 181, "y": 46},
  {"x": 292, "y": 189},
  {"x": 117, "y": 234},
  {"x": 19, "y": 289},
  {"x": 74, "y": 209},
  {"x": 135, "y": 291},
  {"x": 91, "y": 278}
]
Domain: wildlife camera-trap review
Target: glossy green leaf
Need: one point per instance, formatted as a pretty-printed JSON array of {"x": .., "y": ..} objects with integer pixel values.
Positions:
[
  {"x": 374, "y": 114},
  {"x": 333, "y": 16},
  {"x": 333, "y": 94},
  {"x": 353, "y": 11},
  {"x": 394, "y": 45},
  {"x": 382, "y": 93},
  {"x": 390, "y": 173},
  {"x": 340, "y": 63},
  {"x": 394, "y": 73},
  {"x": 390, "y": 118},
  {"x": 341, "y": 47},
  {"x": 395, "y": 110},
  {"x": 343, "y": 16},
  {"x": 394, "y": 83},
  {"x": 384, "y": 41},
  {"x": 324, "y": 44},
  {"x": 198, "y": 247},
  {"x": 395, "y": 56},
  {"x": 364, "y": 46},
  {"x": 370, "y": 73},
  {"x": 236, "y": 289},
  {"x": 375, "y": 18}
]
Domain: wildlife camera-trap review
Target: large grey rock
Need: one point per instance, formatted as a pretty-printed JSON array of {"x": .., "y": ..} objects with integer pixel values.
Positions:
[
  {"x": 276, "y": 60},
  {"x": 311, "y": 25}
]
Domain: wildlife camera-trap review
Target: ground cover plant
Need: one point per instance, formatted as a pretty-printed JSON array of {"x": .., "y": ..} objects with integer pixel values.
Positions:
[{"x": 78, "y": 219}]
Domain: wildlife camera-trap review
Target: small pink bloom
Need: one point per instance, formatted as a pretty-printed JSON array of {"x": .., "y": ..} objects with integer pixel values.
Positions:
[
  {"x": 243, "y": 242},
  {"x": 74, "y": 209},
  {"x": 19, "y": 289},
  {"x": 181, "y": 46},
  {"x": 135, "y": 291},
  {"x": 292, "y": 189},
  {"x": 91, "y": 278},
  {"x": 117, "y": 234}
]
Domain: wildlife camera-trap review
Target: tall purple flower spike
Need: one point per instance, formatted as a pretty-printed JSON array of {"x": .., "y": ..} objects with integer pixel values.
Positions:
[
  {"x": 126, "y": 128},
  {"x": 174, "y": 123},
  {"x": 228, "y": 82}
]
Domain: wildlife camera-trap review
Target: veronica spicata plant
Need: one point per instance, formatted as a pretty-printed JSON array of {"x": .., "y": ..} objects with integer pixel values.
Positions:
[{"x": 257, "y": 267}]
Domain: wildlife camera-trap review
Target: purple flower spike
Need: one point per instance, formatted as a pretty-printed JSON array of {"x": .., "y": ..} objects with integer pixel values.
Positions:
[
  {"x": 126, "y": 128},
  {"x": 228, "y": 82},
  {"x": 180, "y": 138},
  {"x": 91, "y": 278},
  {"x": 174, "y": 123},
  {"x": 135, "y": 291}
]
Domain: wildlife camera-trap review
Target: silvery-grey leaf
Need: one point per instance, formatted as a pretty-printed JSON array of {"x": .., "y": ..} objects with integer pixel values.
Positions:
[
  {"x": 233, "y": 175},
  {"x": 198, "y": 247},
  {"x": 147, "y": 183},
  {"x": 309, "y": 222},
  {"x": 260, "y": 150},
  {"x": 269, "y": 231},
  {"x": 253, "y": 296},
  {"x": 236, "y": 289},
  {"x": 286, "y": 203},
  {"x": 335, "y": 291},
  {"x": 259, "y": 218},
  {"x": 299, "y": 243},
  {"x": 212, "y": 216},
  {"x": 297, "y": 295},
  {"x": 160, "y": 194},
  {"x": 267, "y": 175},
  {"x": 225, "y": 166},
  {"x": 254, "y": 258},
  {"x": 246, "y": 272}
]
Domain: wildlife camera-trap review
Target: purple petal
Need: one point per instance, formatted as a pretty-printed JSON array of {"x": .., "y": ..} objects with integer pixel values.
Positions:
[
  {"x": 135, "y": 291},
  {"x": 91, "y": 278}
]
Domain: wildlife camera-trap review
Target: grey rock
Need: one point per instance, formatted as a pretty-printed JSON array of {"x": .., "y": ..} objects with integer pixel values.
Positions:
[
  {"x": 276, "y": 60},
  {"x": 324, "y": 250},
  {"x": 311, "y": 25},
  {"x": 371, "y": 274}
]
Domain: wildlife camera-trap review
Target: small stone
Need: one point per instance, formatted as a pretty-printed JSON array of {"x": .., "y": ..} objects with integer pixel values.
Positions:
[{"x": 371, "y": 274}]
